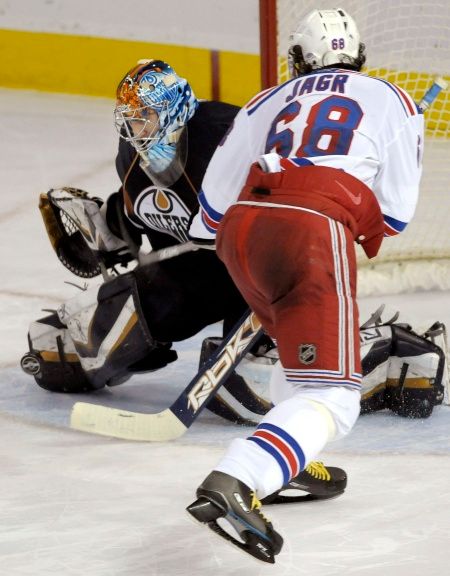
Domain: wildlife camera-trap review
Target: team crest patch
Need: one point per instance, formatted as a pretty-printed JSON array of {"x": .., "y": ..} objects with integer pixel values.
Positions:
[
  {"x": 161, "y": 209},
  {"x": 307, "y": 353}
]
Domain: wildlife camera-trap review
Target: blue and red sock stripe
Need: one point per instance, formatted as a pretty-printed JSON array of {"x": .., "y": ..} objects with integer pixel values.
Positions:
[{"x": 282, "y": 446}]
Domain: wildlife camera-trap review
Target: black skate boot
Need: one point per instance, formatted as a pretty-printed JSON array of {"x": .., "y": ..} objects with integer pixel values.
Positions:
[
  {"x": 222, "y": 496},
  {"x": 318, "y": 481}
]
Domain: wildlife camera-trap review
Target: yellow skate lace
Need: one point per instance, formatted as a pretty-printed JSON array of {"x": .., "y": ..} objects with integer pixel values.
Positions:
[
  {"x": 318, "y": 470},
  {"x": 256, "y": 505}
]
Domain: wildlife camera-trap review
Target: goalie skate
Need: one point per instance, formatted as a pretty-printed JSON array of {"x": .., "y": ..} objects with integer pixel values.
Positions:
[
  {"x": 315, "y": 482},
  {"x": 224, "y": 498}
]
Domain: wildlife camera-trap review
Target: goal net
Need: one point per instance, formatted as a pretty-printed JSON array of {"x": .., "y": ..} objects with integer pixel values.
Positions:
[{"x": 408, "y": 43}]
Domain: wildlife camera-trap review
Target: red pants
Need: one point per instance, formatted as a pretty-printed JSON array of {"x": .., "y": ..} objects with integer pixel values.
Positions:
[{"x": 297, "y": 270}]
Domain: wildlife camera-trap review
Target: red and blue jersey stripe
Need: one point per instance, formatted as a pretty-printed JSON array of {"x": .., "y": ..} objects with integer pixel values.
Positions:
[
  {"x": 392, "y": 227},
  {"x": 408, "y": 104},
  {"x": 210, "y": 217},
  {"x": 262, "y": 97}
]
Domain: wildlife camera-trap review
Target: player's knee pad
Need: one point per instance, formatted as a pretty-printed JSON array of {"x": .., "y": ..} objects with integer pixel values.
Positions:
[
  {"x": 403, "y": 371},
  {"x": 339, "y": 406},
  {"x": 102, "y": 333}
]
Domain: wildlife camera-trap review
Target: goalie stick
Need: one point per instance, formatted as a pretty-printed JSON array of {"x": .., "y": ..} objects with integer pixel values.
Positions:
[
  {"x": 174, "y": 421},
  {"x": 169, "y": 252}
]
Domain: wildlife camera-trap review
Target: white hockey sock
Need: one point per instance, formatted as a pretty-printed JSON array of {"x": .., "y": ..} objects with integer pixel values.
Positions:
[{"x": 289, "y": 436}]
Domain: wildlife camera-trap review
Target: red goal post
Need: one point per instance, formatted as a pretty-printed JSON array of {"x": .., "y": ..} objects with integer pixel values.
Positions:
[{"x": 407, "y": 43}]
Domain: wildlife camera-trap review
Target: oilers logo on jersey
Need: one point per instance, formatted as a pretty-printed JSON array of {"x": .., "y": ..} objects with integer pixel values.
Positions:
[{"x": 162, "y": 210}]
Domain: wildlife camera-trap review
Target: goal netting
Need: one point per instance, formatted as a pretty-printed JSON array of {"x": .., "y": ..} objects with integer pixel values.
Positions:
[{"x": 407, "y": 43}]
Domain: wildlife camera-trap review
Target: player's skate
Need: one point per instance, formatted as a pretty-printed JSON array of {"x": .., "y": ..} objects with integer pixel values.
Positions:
[
  {"x": 221, "y": 496},
  {"x": 318, "y": 481}
]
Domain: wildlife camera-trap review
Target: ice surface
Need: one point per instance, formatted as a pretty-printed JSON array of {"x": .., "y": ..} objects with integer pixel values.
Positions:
[{"x": 74, "y": 504}]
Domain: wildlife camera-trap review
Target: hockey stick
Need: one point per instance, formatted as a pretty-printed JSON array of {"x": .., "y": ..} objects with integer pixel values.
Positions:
[
  {"x": 174, "y": 421},
  {"x": 170, "y": 252},
  {"x": 432, "y": 93}
]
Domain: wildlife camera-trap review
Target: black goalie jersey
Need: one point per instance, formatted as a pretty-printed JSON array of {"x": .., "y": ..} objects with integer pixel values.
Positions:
[{"x": 181, "y": 296}]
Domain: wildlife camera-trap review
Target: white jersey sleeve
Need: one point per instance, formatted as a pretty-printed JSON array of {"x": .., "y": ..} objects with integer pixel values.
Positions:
[
  {"x": 396, "y": 184},
  {"x": 336, "y": 118}
]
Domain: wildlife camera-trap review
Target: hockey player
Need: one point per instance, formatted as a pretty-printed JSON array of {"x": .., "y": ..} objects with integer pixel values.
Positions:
[{"x": 329, "y": 158}]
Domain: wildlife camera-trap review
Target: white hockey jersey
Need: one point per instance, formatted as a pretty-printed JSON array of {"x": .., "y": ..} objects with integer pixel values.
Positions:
[{"x": 342, "y": 119}]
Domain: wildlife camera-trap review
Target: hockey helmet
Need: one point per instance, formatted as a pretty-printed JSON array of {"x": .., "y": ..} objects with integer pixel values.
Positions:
[
  {"x": 153, "y": 102},
  {"x": 325, "y": 38}
]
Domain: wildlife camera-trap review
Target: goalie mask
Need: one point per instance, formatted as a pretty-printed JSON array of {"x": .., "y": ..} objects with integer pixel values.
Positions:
[
  {"x": 325, "y": 38},
  {"x": 153, "y": 107}
]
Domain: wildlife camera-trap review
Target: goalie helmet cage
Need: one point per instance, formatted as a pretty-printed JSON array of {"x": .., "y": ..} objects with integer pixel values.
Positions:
[{"x": 407, "y": 43}]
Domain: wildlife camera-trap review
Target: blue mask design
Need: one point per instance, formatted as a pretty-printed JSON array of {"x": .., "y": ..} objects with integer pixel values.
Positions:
[{"x": 161, "y": 155}]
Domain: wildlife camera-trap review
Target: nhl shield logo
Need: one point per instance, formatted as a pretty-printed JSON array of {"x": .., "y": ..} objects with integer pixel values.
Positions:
[{"x": 307, "y": 353}]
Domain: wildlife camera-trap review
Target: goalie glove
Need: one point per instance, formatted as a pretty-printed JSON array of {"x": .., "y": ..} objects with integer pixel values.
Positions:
[{"x": 79, "y": 234}]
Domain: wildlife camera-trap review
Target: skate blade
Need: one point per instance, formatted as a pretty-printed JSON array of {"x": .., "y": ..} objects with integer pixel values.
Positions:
[
  {"x": 207, "y": 513},
  {"x": 253, "y": 545},
  {"x": 282, "y": 499}
]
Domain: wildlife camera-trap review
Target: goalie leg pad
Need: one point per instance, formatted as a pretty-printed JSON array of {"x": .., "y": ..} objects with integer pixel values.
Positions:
[
  {"x": 103, "y": 340},
  {"x": 402, "y": 371},
  {"x": 414, "y": 384},
  {"x": 52, "y": 359},
  {"x": 110, "y": 334},
  {"x": 376, "y": 345}
]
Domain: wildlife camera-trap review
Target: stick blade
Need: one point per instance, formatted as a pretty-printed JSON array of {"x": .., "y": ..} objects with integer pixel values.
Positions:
[{"x": 116, "y": 423}]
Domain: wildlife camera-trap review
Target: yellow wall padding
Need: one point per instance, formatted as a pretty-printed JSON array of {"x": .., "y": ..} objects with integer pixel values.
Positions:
[{"x": 94, "y": 66}]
